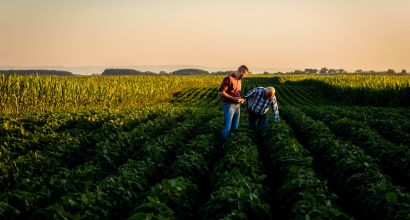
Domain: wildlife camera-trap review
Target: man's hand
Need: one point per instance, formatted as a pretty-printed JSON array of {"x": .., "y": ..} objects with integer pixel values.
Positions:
[{"x": 238, "y": 100}]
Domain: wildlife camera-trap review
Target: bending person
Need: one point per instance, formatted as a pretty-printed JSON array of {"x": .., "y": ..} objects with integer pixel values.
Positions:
[{"x": 257, "y": 104}]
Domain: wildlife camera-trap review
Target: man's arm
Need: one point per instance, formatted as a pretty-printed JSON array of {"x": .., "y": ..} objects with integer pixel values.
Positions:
[
  {"x": 275, "y": 109},
  {"x": 251, "y": 93}
]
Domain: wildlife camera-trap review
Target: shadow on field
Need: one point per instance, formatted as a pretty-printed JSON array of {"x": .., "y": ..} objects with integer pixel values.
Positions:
[{"x": 388, "y": 97}]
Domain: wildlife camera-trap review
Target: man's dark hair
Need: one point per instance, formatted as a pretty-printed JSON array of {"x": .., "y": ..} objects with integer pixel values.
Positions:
[{"x": 243, "y": 69}]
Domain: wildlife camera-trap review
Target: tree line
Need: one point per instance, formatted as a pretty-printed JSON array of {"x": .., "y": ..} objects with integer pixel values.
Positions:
[
  {"x": 35, "y": 72},
  {"x": 326, "y": 71},
  {"x": 187, "y": 72}
]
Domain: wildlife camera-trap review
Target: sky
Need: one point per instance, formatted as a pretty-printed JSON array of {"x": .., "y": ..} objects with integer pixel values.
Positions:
[{"x": 349, "y": 34}]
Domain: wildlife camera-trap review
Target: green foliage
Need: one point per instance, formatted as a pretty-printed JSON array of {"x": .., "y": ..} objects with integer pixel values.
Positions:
[
  {"x": 165, "y": 161},
  {"x": 301, "y": 192},
  {"x": 393, "y": 159},
  {"x": 22, "y": 94},
  {"x": 174, "y": 197},
  {"x": 354, "y": 174},
  {"x": 237, "y": 183}
]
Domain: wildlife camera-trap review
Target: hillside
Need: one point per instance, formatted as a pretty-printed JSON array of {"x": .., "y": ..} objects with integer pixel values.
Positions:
[{"x": 185, "y": 72}]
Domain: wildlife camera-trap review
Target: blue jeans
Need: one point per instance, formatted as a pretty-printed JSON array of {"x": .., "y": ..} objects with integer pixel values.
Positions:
[
  {"x": 259, "y": 122},
  {"x": 231, "y": 119}
]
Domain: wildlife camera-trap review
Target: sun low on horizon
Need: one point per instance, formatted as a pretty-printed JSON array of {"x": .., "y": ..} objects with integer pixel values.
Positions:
[{"x": 348, "y": 34}]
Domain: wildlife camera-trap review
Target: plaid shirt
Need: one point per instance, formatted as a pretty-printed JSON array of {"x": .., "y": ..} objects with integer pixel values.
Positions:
[{"x": 259, "y": 105}]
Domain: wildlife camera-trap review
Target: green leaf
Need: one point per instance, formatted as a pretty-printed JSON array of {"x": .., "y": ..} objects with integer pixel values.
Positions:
[
  {"x": 152, "y": 199},
  {"x": 84, "y": 199},
  {"x": 262, "y": 177},
  {"x": 391, "y": 197}
]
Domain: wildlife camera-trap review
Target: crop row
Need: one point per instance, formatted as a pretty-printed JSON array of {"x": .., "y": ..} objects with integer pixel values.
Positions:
[
  {"x": 393, "y": 159},
  {"x": 199, "y": 96},
  {"x": 301, "y": 194},
  {"x": 118, "y": 194},
  {"x": 390, "y": 123},
  {"x": 366, "y": 192},
  {"x": 177, "y": 196},
  {"x": 20, "y": 134},
  {"x": 289, "y": 94},
  {"x": 380, "y": 90},
  {"x": 108, "y": 150},
  {"x": 237, "y": 190},
  {"x": 151, "y": 153}
]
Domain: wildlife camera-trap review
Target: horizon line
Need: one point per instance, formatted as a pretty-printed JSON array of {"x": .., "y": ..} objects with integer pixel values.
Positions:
[{"x": 191, "y": 65}]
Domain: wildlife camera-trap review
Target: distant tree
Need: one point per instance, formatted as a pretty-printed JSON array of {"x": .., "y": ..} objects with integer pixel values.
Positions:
[
  {"x": 121, "y": 72},
  {"x": 163, "y": 73},
  {"x": 184, "y": 72},
  {"x": 265, "y": 73},
  {"x": 222, "y": 73},
  {"x": 324, "y": 70},
  {"x": 332, "y": 71},
  {"x": 358, "y": 71},
  {"x": 341, "y": 71},
  {"x": 298, "y": 72},
  {"x": 38, "y": 72},
  {"x": 149, "y": 73},
  {"x": 390, "y": 71},
  {"x": 311, "y": 71},
  {"x": 403, "y": 72}
]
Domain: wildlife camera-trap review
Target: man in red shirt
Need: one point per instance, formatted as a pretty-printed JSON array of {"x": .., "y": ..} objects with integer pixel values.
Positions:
[{"x": 229, "y": 92}]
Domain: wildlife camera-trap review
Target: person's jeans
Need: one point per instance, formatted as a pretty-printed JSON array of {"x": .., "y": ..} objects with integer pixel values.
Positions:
[
  {"x": 257, "y": 122},
  {"x": 231, "y": 119}
]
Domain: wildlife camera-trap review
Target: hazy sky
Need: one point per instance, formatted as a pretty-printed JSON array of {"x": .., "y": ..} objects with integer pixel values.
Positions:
[{"x": 351, "y": 34}]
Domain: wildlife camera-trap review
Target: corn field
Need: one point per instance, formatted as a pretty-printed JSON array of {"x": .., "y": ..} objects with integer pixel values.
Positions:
[{"x": 19, "y": 94}]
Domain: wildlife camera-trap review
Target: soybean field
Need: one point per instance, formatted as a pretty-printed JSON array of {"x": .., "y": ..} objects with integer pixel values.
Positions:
[{"x": 147, "y": 147}]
